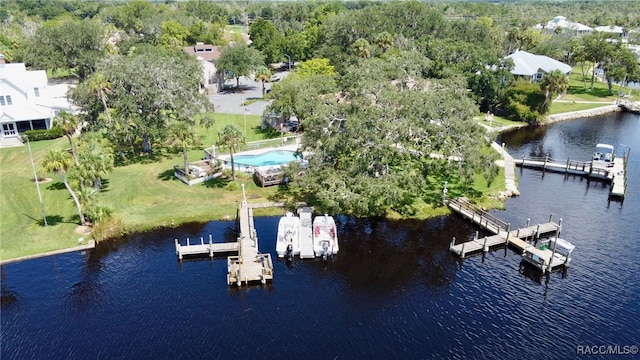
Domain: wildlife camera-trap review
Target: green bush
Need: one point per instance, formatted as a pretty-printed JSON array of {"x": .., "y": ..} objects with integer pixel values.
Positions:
[{"x": 37, "y": 135}]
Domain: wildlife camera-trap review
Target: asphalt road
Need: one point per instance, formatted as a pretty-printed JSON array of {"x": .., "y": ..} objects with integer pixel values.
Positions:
[{"x": 229, "y": 101}]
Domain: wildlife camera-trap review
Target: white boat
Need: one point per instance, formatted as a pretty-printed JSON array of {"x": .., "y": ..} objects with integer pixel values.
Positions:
[
  {"x": 325, "y": 236},
  {"x": 288, "y": 240},
  {"x": 553, "y": 253},
  {"x": 603, "y": 156}
]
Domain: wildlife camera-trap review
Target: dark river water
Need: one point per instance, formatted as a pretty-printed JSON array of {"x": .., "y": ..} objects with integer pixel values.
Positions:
[{"x": 395, "y": 291}]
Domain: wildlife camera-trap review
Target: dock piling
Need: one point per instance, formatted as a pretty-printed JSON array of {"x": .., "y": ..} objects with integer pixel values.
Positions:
[
  {"x": 453, "y": 243},
  {"x": 485, "y": 248}
]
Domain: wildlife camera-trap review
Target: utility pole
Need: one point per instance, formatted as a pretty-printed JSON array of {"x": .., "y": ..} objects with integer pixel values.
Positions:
[{"x": 35, "y": 176}]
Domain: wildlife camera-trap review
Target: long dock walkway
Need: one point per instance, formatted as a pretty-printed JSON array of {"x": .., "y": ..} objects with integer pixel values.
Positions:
[
  {"x": 503, "y": 235},
  {"x": 250, "y": 265},
  {"x": 616, "y": 173}
]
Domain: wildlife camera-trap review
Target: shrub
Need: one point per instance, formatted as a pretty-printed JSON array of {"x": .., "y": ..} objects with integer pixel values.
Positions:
[{"x": 37, "y": 135}]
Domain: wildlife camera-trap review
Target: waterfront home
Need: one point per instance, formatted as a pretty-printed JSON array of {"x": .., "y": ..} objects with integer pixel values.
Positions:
[
  {"x": 533, "y": 67},
  {"x": 27, "y": 102}
]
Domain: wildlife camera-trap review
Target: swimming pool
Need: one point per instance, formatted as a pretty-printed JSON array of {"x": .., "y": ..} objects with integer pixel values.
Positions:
[{"x": 269, "y": 158}]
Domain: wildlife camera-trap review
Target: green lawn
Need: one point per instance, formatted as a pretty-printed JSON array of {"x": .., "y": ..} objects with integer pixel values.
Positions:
[
  {"x": 563, "y": 107},
  {"x": 143, "y": 193}
]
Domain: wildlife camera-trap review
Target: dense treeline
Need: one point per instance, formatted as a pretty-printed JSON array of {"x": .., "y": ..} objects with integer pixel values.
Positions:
[{"x": 386, "y": 92}]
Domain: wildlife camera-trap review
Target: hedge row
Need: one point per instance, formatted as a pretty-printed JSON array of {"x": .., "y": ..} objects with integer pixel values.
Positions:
[{"x": 37, "y": 135}]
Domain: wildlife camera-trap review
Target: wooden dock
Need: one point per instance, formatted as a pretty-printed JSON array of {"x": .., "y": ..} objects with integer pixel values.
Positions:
[
  {"x": 203, "y": 247},
  {"x": 615, "y": 173},
  {"x": 521, "y": 239},
  {"x": 249, "y": 265}
]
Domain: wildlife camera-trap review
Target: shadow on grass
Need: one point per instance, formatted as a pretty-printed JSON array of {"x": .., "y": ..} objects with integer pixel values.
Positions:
[
  {"x": 56, "y": 186},
  {"x": 596, "y": 92},
  {"x": 52, "y": 220},
  {"x": 166, "y": 175},
  {"x": 160, "y": 153},
  {"x": 218, "y": 183}
]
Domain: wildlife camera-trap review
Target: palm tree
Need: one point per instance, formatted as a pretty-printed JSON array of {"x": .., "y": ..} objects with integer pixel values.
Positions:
[
  {"x": 263, "y": 74},
  {"x": 181, "y": 134},
  {"x": 232, "y": 138},
  {"x": 384, "y": 41},
  {"x": 69, "y": 124},
  {"x": 101, "y": 87},
  {"x": 60, "y": 162},
  {"x": 97, "y": 160},
  {"x": 552, "y": 82},
  {"x": 361, "y": 48}
]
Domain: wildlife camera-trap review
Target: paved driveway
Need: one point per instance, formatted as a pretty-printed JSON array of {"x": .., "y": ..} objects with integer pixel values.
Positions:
[{"x": 229, "y": 101}]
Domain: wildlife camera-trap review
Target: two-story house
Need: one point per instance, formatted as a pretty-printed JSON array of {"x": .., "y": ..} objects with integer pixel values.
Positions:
[
  {"x": 26, "y": 100},
  {"x": 212, "y": 81}
]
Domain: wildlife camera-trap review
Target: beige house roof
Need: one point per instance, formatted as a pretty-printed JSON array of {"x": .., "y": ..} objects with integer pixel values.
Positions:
[{"x": 207, "y": 52}]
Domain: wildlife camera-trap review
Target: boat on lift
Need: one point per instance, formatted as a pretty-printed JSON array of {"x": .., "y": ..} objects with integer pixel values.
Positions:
[
  {"x": 604, "y": 155},
  {"x": 288, "y": 238},
  {"x": 325, "y": 237},
  {"x": 552, "y": 253}
]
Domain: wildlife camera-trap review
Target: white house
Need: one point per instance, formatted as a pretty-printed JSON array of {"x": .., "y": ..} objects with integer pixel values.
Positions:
[
  {"x": 533, "y": 67},
  {"x": 560, "y": 23},
  {"x": 615, "y": 31},
  {"x": 26, "y": 100}
]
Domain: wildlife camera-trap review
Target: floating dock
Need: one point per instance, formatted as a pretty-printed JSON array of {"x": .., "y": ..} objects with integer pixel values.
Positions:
[
  {"x": 615, "y": 173},
  {"x": 521, "y": 239},
  {"x": 306, "y": 233}
]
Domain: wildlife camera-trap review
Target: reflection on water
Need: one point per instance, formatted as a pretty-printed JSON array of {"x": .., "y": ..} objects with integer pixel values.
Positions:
[{"x": 394, "y": 291}]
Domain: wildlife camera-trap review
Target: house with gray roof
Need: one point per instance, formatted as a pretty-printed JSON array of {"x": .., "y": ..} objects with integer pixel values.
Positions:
[{"x": 533, "y": 67}]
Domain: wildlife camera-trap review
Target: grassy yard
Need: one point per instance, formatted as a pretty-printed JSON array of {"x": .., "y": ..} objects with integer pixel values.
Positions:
[
  {"x": 143, "y": 193},
  {"x": 563, "y": 107}
]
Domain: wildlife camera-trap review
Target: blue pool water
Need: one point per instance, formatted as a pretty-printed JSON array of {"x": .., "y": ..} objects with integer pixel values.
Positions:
[{"x": 274, "y": 157}]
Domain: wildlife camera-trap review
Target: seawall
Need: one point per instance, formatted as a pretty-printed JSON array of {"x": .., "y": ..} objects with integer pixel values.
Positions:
[{"x": 580, "y": 114}]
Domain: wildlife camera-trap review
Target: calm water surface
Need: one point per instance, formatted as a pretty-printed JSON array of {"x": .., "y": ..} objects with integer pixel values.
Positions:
[{"x": 394, "y": 292}]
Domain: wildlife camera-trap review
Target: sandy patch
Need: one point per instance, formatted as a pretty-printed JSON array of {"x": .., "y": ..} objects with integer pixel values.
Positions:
[
  {"x": 84, "y": 230},
  {"x": 43, "y": 181}
]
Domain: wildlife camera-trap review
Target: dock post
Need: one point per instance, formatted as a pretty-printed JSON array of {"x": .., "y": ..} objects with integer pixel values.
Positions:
[
  {"x": 528, "y": 222},
  {"x": 187, "y": 241},
  {"x": 508, "y": 234},
  {"x": 550, "y": 217},
  {"x": 485, "y": 248},
  {"x": 538, "y": 231},
  {"x": 462, "y": 251},
  {"x": 201, "y": 241},
  {"x": 553, "y": 253},
  {"x": 559, "y": 228},
  {"x": 210, "y": 246},
  {"x": 566, "y": 169},
  {"x": 546, "y": 159},
  {"x": 475, "y": 237},
  {"x": 453, "y": 242},
  {"x": 518, "y": 234}
]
